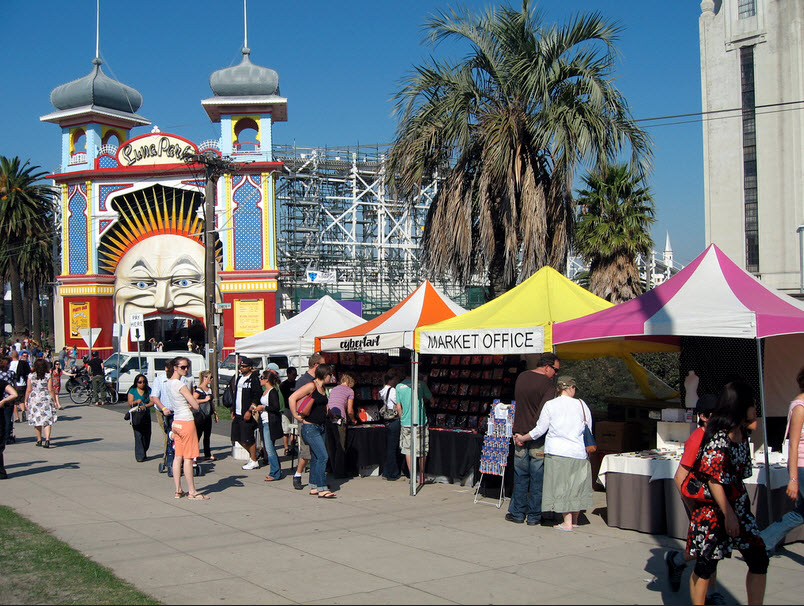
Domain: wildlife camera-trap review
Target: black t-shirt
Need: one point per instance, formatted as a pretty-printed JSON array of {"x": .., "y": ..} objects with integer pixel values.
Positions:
[
  {"x": 96, "y": 367},
  {"x": 318, "y": 413}
]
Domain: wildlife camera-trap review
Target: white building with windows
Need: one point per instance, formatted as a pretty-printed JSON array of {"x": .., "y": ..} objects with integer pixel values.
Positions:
[{"x": 752, "y": 81}]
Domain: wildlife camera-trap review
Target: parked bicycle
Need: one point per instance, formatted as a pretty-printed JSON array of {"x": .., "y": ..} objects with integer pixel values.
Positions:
[{"x": 81, "y": 392}]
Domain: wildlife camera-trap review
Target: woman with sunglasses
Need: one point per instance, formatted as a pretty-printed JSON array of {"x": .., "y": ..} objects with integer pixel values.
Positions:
[
  {"x": 139, "y": 397},
  {"x": 185, "y": 437}
]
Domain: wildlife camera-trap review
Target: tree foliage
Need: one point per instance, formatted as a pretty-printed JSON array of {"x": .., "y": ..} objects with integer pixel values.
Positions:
[
  {"x": 505, "y": 128},
  {"x": 616, "y": 211}
]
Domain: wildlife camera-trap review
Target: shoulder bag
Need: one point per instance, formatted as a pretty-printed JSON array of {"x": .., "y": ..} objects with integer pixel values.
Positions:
[
  {"x": 588, "y": 437},
  {"x": 388, "y": 414},
  {"x": 304, "y": 406}
]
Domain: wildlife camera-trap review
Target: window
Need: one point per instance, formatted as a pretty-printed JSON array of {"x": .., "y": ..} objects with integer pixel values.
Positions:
[
  {"x": 750, "y": 193},
  {"x": 746, "y": 8}
]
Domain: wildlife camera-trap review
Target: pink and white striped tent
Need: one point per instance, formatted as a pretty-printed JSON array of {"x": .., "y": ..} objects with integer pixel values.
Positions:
[{"x": 711, "y": 297}]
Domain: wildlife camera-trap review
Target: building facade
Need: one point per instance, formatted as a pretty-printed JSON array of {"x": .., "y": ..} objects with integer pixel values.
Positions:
[
  {"x": 132, "y": 214},
  {"x": 752, "y": 81}
]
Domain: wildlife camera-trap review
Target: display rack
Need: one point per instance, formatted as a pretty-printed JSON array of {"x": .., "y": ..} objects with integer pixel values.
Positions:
[{"x": 496, "y": 445}]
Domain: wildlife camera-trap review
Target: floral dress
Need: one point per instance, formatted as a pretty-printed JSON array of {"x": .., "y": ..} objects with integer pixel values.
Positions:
[
  {"x": 725, "y": 463},
  {"x": 41, "y": 410}
]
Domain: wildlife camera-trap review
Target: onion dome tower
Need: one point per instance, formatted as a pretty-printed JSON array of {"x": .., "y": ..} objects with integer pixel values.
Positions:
[
  {"x": 93, "y": 112},
  {"x": 246, "y": 103}
]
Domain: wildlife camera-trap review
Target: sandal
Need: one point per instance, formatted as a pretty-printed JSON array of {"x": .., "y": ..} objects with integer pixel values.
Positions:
[
  {"x": 198, "y": 497},
  {"x": 211, "y": 458},
  {"x": 327, "y": 495},
  {"x": 270, "y": 479},
  {"x": 314, "y": 492},
  {"x": 180, "y": 494}
]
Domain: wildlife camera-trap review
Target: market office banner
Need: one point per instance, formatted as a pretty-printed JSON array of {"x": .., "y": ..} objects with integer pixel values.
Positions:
[{"x": 514, "y": 340}]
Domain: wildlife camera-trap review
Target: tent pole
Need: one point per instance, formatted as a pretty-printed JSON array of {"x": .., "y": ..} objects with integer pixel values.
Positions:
[
  {"x": 764, "y": 432},
  {"x": 414, "y": 420}
]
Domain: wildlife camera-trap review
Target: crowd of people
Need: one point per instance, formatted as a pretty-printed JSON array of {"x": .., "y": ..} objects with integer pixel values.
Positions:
[{"x": 552, "y": 471}]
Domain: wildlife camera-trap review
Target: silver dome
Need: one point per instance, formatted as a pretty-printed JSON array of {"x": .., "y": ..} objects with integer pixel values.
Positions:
[
  {"x": 96, "y": 88},
  {"x": 244, "y": 80}
]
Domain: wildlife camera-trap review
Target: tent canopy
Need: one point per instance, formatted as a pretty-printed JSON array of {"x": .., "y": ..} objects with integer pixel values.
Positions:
[
  {"x": 517, "y": 322},
  {"x": 710, "y": 297},
  {"x": 296, "y": 337},
  {"x": 394, "y": 328}
]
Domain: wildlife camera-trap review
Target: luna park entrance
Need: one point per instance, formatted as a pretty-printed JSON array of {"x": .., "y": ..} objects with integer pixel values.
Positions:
[{"x": 175, "y": 332}]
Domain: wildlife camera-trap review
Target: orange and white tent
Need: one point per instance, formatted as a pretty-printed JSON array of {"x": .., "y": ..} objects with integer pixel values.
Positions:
[{"x": 394, "y": 329}]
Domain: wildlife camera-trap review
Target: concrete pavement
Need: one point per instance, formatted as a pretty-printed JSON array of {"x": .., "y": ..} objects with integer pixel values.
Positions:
[{"x": 265, "y": 543}]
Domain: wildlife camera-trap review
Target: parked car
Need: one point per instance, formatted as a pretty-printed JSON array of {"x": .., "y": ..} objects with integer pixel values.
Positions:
[
  {"x": 228, "y": 367},
  {"x": 123, "y": 367}
]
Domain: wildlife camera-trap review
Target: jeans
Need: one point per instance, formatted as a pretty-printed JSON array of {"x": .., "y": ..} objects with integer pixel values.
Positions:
[
  {"x": 774, "y": 533},
  {"x": 313, "y": 434},
  {"x": 8, "y": 416},
  {"x": 270, "y": 453},
  {"x": 526, "y": 500},
  {"x": 390, "y": 468}
]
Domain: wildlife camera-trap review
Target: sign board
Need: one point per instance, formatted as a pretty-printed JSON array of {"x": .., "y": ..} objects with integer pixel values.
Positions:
[
  {"x": 89, "y": 335},
  {"x": 137, "y": 333},
  {"x": 222, "y": 306},
  {"x": 117, "y": 330},
  {"x": 79, "y": 318},
  {"x": 519, "y": 340},
  {"x": 153, "y": 149},
  {"x": 249, "y": 317},
  {"x": 136, "y": 321}
]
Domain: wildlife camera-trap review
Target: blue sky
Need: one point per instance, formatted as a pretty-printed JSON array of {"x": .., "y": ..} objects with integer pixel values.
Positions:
[{"x": 339, "y": 64}]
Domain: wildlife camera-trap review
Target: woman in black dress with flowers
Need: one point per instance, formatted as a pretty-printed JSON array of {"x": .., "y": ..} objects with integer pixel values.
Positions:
[{"x": 722, "y": 520}]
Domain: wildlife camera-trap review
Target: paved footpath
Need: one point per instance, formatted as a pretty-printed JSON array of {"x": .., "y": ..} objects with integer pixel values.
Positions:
[{"x": 265, "y": 543}]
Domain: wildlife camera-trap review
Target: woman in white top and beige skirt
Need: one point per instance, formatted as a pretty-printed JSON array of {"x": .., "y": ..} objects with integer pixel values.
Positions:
[{"x": 567, "y": 472}]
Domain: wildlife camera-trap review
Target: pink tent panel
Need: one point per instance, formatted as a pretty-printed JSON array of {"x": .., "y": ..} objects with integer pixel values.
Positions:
[{"x": 712, "y": 296}]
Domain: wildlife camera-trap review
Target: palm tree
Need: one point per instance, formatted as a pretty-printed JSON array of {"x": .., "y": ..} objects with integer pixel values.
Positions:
[
  {"x": 24, "y": 205},
  {"x": 36, "y": 264},
  {"x": 505, "y": 128},
  {"x": 616, "y": 211}
]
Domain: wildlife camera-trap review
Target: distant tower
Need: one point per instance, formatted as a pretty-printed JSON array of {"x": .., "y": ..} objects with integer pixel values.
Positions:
[{"x": 668, "y": 252}]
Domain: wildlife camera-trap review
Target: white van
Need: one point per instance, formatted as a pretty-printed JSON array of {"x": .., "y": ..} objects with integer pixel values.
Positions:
[
  {"x": 128, "y": 365},
  {"x": 228, "y": 368}
]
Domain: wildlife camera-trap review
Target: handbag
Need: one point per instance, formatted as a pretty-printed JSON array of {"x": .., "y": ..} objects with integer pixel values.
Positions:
[
  {"x": 588, "y": 438},
  {"x": 388, "y": 414},
  {"x": 227, "y": 399},
  {"x": 692, "y": 488},
  {"x": 304, "y": 406}
]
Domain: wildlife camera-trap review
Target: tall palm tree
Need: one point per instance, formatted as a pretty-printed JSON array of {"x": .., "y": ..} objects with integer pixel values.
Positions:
[
  {"x": 36, "y": 264},
  {"x": 24, "y": 204},
  {"x": 616, "y": 212},
  {"x": 505, "y": 128}
]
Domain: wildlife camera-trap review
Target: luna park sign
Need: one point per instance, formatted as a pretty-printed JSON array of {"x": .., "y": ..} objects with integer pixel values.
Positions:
[{"x": 154, "y": 149}]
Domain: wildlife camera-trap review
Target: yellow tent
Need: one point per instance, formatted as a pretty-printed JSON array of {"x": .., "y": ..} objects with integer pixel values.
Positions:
[
  {"x": 517, "y": 322},
  {"x": 521, "y": 322}
]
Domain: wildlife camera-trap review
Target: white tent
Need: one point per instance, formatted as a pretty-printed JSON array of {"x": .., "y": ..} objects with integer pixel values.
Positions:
[{"x": 295, "y": 338}]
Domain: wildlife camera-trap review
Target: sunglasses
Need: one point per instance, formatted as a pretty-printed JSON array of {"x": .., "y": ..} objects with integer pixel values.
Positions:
[
  {"x": 185, "y": 367},
  {"x": 141, "y": 381}
]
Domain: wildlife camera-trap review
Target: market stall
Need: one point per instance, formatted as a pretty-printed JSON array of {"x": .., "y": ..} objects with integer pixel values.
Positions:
[
  {"x": 710, "y": 304},
  {"x": 368, "y": 350},
  {"x": 296, "y": 337},
  {"x": 513, "y": 326}
]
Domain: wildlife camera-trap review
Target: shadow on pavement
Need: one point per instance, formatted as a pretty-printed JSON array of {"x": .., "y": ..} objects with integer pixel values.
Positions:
[
  {"x": 220, "y": 485},
  {"x": 65, "y": 441},
  {"x": 44, "y": 469}
]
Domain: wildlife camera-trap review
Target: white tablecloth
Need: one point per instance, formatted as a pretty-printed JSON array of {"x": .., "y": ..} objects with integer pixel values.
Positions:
[{"x": 664, "y": 468}]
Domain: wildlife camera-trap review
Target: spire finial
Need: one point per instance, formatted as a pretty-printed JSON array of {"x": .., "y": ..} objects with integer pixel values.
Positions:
[
  {"x": 245, "y": 26},
  {"x": 97, "y": 29}
]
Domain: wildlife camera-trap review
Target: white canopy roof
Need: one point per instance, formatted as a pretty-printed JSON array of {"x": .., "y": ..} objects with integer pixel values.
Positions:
[{"x": 295, "y": 338}]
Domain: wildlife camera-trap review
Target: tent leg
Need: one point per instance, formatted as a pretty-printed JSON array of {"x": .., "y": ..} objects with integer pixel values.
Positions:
[
  {"x": 414, "y": 420},
  {"x": 764, "y": 431}
]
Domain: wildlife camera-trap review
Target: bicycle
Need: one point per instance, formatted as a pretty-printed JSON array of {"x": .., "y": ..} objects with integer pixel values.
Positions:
[{"x": 81, "y": 393}]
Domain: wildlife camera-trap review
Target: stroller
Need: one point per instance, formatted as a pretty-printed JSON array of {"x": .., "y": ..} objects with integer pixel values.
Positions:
[{"x": 166, "y": 464}]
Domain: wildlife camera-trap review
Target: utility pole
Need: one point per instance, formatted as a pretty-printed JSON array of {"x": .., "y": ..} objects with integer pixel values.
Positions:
[{"x": 214, "y": 166}]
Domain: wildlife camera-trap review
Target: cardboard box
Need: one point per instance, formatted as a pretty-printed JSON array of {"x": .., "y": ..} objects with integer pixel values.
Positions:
[
  {"x": 668, "y": 433},
  {"x": 617, "y": 436}
]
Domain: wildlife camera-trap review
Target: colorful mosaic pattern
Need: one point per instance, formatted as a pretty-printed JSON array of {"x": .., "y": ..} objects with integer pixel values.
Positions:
[
  {"x": 246, "y": 193},
  {"x": 77, "y": 222}
]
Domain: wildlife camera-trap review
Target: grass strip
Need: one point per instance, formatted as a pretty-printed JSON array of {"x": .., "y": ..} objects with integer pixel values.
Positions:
[{"x": 37, "y": 568}]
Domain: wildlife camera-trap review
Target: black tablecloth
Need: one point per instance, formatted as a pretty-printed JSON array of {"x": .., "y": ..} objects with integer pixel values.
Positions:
[
  {"x": 453, "y": 454},
  {"x": 365, "y": 446}
]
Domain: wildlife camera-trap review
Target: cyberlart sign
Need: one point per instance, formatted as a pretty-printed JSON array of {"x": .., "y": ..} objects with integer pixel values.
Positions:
[{"x": 520, "y": 340}]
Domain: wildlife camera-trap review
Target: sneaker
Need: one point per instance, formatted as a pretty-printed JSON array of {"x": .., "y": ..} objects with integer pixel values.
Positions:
[
  {"x": 297, "y": 483},
  {"x": 251, "y": 465},
  {"x": 674, "y": 571},
  {"x": 715, "y": 598},
  {"x": 534, "y": 522},
  {"x": 509, "y": 517}
]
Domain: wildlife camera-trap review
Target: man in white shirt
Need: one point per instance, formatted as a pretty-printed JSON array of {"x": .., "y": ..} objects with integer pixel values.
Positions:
[{"x": 163, "y": 404}]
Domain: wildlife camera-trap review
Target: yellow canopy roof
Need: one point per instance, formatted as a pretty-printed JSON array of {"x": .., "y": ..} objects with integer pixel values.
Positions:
[{"x": 518, "y": 321}]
